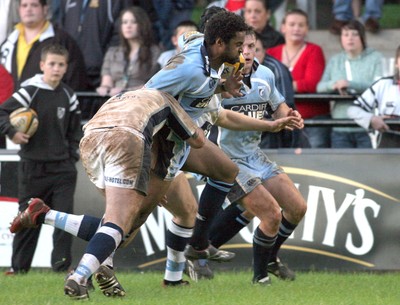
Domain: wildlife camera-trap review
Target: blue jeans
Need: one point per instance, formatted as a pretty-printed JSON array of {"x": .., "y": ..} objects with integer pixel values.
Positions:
[
  {"x": 318, "y": 137},
  {"x": 351, "y": 139},
  {"x": 343, "y": 11}
]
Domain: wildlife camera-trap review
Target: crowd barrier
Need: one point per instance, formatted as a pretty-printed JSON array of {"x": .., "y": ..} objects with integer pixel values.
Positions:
[
  {"x": 88, "y": 97},
  {"x": 351, "y": 224}
]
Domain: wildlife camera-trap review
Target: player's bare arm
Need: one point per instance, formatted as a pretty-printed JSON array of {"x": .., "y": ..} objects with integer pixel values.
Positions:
[{"x": 237, "y": 121}]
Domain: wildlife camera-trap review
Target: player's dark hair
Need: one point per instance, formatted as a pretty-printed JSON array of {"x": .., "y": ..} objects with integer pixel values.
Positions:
[
  {"x": 56, "y": 49},
  {"x": 207, "y": 14},
  {"x": 356, "y": 26},
  {"x": 186, "y": 23},
  {"x": 223, "y": 25}
]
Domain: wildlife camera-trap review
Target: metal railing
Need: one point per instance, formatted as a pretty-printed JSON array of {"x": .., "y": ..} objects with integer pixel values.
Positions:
[{"x": 310, "y": 97}]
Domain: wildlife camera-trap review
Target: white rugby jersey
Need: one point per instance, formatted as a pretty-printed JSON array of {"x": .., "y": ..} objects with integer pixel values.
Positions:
[
  {"x": 260, "y": 97},
  {"x": 383, "y": 96}
]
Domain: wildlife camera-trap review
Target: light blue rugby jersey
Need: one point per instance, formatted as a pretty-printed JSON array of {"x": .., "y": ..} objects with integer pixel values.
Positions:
[
  {"x": 188, "y": 77},
  {"x": 262, "y": 96}
]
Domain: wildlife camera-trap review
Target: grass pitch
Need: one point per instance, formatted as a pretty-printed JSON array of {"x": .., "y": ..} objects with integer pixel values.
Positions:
[{"x": 233, "y": 288}]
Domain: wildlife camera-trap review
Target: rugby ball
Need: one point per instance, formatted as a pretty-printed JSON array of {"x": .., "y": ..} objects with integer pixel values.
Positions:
[
  {"x": 230, "y": 69},
  {"x": 25, "y": 120}
]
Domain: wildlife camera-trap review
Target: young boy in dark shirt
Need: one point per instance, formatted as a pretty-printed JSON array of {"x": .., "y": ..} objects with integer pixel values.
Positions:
[{"x": 47, "y": 167}]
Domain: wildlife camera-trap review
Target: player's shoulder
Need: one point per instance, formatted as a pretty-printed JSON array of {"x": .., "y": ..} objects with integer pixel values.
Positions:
[{"x": 262, "y": 71}]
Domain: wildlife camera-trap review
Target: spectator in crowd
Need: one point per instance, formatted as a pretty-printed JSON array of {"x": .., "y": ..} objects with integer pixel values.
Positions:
[
  {"x": 351, "y": 71},
  {"x": 182, "y": 27},
  {"x": 93, "y": 26},
  {"x": 235, "y": 6},
  {"x": 47, "y": 167},
  {"x": 6, "y": 84},
  {"x": 131, "y": 64},
  {"x": 257, "y": 14},
  {"x": 306, "y": 62},
  {"x": 379, "y": 102},
  {"x": 346, "y": 10},
  {"x": 21, "y": 52},
  {"x": 277, "y": 7},
  {"x": 283, "y": 82},
  {"x": 9, "y": 18},
  {"x": 170, "y": 14},
  {"x": 54, "y": 10},
  {"x": 6, "y": 90}
]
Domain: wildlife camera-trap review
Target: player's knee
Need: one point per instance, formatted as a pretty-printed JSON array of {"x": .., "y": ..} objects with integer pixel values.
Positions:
[
  {"x": 187, "y": 214},
  {"x": 298, "y": 211}
]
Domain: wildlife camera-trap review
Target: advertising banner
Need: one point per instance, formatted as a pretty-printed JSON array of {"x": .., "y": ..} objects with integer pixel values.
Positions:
[{"x": 351, "y": 224}]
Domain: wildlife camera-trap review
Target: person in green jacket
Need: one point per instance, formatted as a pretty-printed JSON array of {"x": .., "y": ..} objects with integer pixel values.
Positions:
[{"x": 350, "y": 72}]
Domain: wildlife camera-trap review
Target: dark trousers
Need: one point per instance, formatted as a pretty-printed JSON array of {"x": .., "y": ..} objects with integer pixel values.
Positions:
[{"x": 55, "y": 183}]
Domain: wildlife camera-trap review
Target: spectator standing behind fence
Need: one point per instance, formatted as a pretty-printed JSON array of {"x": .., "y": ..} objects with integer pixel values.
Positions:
[
  {"x": 9, "y": 17},
  {"x": 47, "y": 167},
  {"x": 379, "y": 102},
  {"x": 346, "y": 10},
  {"x": 20, "y": 53},
  {"x": 131, "y": 64},
  {"x": 6, "y": 84},
  {"x": 91, "y": 23},
  {"x": 257, "y": 14},
  {"x": 306, "y": 62},
  {"x": 182, "y": 27},
  {"x": 6, "y": 90},
  {"x": 351, "y": 71}
]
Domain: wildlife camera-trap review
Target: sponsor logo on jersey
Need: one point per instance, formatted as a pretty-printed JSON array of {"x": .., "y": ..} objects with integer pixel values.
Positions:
[
  {"x": 201, "y": 102},
  {"x": 116, "y": 180}
]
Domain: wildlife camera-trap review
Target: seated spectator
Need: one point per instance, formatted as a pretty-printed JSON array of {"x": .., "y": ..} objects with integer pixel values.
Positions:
[
  {"x": 351, "y": 71},
  {"x": 184, "y": 26},
  {"x": 9, "y": 18},
  {"x": 92, "y": 25},
  {"x": 379, "y": 102},
  {"x": 257, "y": 14},
  {"x": 346, "y": 10},
  {"x": 306, "y": 63},
  {"x": 131, "y": 64},
  {"x": 20, "y": 53}
]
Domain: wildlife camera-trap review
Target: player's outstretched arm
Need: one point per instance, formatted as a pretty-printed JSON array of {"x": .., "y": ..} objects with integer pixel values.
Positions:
[{"x": 238, "y": 121}]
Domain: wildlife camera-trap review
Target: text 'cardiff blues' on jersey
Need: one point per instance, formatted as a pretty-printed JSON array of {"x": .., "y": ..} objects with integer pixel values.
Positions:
[
  {"x": 188, "y": 76},
  {"x": 259, "y": 96}
]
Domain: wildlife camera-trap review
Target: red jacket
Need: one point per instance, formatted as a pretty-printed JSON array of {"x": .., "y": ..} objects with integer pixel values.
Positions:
[
  {"x": 307, "y": 72},
  {"x": 6, "y": 84}
]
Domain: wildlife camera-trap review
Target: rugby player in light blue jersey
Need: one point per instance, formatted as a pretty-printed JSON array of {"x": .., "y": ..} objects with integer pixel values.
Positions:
[
  {"x": 262, "y": 188},
  {"x": 192, "y": 77}
]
